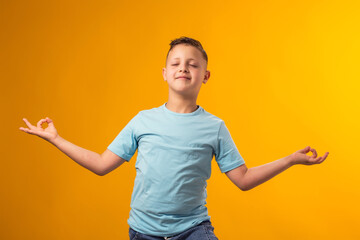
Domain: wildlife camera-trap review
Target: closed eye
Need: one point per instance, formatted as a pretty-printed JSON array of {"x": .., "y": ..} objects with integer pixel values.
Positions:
[{"x": 178, "y": 64}]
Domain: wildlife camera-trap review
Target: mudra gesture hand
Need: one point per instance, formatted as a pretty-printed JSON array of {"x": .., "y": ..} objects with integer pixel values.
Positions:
[
  {"x": 48, "y": 133},
  {"x": 300, "y": 157}
]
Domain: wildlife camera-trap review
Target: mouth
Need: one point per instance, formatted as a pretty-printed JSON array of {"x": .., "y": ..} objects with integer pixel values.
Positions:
[{"x": 183, "y": 78}]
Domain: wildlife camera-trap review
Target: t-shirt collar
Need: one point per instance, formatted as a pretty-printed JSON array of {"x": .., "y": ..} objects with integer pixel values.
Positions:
[{"x": 197, "y": 111}]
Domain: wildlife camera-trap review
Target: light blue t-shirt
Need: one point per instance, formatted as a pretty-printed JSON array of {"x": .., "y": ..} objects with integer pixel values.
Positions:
[{"x": 173, "y": 163}]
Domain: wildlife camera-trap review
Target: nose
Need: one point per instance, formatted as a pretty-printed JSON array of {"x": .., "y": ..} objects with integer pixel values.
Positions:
[{"x": 183, "y": 68}]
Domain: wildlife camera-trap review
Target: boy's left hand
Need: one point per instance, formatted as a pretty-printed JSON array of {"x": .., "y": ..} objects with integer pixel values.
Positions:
[{"x": 300, "y": 157}]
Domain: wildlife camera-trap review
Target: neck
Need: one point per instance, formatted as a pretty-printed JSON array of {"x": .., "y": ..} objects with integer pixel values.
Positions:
[{"x": 181, "y": 105}]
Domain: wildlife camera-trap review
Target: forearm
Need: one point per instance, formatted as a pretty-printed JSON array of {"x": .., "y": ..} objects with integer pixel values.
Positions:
[
  {"x": 86, "y": 158},
  {"x": 257, "y": 175}
]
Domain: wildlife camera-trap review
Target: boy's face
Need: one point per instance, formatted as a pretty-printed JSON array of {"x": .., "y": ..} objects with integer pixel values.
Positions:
[{"x": 185, "y": 61}]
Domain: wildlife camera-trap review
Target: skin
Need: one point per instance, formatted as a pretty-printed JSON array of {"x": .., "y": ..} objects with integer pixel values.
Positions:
[
  {"x": 47, "y": 134},
  {"x": 247, "y": 179},
  {"x": 183, "y": 60},
  {"x": 182, "y": 99}
]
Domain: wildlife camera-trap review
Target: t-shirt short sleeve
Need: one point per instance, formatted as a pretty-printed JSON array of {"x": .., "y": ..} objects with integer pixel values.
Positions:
[
  {"x": 227, "y": 155},
  {"x": 125, "y": 143}
]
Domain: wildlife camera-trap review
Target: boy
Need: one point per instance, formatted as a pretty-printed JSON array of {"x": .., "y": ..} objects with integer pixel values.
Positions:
[{"x": 176, "y": 143}]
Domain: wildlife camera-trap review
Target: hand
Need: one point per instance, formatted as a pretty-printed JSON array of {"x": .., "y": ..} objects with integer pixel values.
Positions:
[
  {"x": 48, "y": 133},
  {"x": 300, "y": 157}
]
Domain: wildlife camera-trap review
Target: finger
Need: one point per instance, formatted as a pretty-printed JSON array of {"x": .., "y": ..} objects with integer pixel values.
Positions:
[
  {"x": 49, "y": 121},
  {"x": 40, "y": 122},
  {"x": 27, "y": 130},
  {"x": 314, "y": 152},
  {"x": 27, "y": 123},
  {"x": 315, "y": 160},
  {"x": 325, "y": 155},
  {"x": 321, "y": 159}
]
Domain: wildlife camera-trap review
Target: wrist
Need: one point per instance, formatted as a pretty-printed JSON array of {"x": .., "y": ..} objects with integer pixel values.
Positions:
[
  {"x": 56, "y": 140},
  {"x": 290, "y": 160}
]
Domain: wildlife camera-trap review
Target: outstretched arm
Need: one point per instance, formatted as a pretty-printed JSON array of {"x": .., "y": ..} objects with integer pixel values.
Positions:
[
  {"x": 98, "y": 164},
  {"x": 247, "y": 179}
]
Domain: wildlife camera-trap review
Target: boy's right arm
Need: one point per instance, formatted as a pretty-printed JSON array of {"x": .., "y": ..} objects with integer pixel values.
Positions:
[{"x": 99, "y": 164}]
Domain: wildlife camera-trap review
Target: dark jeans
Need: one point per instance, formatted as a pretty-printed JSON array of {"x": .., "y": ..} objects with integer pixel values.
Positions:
[{"x": 203, "y": 231}]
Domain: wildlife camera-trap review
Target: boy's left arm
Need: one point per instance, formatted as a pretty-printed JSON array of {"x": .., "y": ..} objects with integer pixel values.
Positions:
[{"x": 246, "y": 179}]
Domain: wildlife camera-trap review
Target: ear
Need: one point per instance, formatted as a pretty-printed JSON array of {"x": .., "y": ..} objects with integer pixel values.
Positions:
[
  {"x": 206, "y": 77},
  {"x": 164, "y": 73}
]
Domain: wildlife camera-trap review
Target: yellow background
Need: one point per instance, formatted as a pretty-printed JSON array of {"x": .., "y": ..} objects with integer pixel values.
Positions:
[{"x": 284, "y": 75}]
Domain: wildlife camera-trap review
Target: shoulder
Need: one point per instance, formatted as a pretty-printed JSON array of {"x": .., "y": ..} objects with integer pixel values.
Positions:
[
  {"x": 149, "y": 111},
  {"x": 211, "y": 117}
]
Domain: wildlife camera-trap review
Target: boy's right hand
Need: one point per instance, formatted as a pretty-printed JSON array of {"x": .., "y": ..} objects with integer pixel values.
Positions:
[{"x": 49, "y": 133}]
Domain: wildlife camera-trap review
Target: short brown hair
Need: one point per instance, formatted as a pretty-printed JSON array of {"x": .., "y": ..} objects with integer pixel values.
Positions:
[{"x": 187, "y": 41}]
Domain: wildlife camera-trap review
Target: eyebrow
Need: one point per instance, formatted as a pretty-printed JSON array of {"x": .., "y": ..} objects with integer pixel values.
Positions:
[{"x": 188, "y": 58}]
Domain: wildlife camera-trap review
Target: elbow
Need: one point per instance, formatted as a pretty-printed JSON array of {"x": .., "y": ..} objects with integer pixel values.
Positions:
[
  {"x": 242, "y": 188},
  {"x": 245, "y": 187},
  {"x": 100, "y": 173},
  {"x": 248, "y": 187}
]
